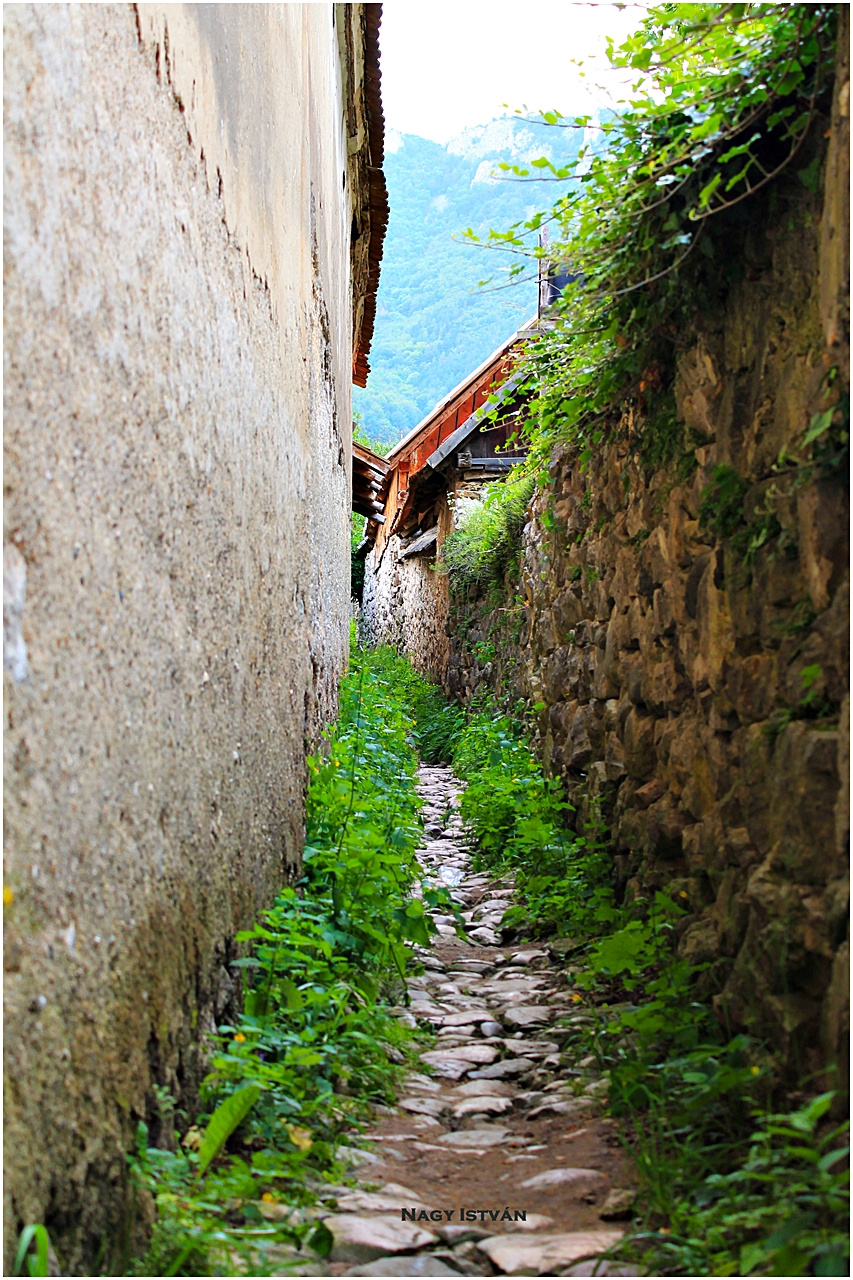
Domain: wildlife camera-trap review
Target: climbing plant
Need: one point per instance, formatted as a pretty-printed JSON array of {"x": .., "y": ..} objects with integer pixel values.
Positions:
[
  {"x": 477, "y": 554},
  {"x": 723, "y": 98}
]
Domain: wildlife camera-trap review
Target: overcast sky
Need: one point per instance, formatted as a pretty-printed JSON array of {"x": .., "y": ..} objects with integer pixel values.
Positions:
[{"x": 449, "y": 65}]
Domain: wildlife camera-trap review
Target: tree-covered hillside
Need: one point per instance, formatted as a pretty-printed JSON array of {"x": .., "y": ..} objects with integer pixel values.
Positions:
[{"x": 433, "y": 324}]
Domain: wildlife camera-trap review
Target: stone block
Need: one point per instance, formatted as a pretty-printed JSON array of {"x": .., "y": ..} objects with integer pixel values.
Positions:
[
  {"x": 823, "y": 512},
  {"x": 639, "y": 745},
  {"x": 751, "y": 686}
]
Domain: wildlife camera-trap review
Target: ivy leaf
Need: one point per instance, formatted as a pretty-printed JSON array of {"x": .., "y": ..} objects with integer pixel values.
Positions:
[
  {"x": 708, "y": 190},
  {"x": 810, "y": 176}
]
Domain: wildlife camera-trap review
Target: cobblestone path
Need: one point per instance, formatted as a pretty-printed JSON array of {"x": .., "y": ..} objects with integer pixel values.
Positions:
[{"x": 495, "y": 1162}]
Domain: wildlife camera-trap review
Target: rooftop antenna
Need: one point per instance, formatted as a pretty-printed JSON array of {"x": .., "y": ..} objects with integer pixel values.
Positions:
[{"x": 544, "y": 271}]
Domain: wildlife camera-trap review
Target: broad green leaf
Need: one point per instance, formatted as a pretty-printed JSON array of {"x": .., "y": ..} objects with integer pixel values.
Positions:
[
  {"x": 225, "y": 1119},
  {"x": 294, "y": 1001}
]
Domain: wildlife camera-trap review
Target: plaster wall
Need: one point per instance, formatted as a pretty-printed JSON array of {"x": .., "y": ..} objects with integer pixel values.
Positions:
[{"x": 176, "y": 525}]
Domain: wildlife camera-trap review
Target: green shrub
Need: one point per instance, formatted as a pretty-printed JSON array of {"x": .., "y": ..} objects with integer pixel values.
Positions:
[{"x": 478, "y": 553}]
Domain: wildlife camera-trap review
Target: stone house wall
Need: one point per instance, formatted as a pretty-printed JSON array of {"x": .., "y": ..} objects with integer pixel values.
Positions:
[
  {"x": 178, "y": 359},
  {"x": 694, "y": 688},
  {"x": 405, "y": 600}
]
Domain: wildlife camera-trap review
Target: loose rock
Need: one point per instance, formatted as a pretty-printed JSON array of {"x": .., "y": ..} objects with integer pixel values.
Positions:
[
  {"x": 362, "y": 1240},
  {"x": 577, "y": 1181}
]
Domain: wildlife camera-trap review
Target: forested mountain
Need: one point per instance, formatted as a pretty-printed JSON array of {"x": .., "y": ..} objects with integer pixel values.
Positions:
[{"x": 433, "y": 324}]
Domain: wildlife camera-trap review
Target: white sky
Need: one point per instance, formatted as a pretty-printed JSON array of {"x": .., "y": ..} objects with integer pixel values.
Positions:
[{"x": 446, "y": 66}]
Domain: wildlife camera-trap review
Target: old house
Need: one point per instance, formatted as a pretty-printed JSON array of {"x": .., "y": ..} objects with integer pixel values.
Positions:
[
  {"x": 444, "y": 463},
  {"x": 194, "y": 217}
]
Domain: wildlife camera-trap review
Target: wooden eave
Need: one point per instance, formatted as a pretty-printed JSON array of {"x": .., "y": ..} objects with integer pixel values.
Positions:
[
  {"x": 377, "y": 192},
  {"x": 368, "y": 473}
]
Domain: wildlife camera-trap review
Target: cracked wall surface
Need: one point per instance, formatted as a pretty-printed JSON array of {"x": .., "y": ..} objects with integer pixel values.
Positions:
[{"x": 176, "y": 573}]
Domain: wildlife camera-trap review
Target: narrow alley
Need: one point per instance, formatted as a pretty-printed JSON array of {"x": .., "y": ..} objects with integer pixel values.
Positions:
[
  {"x": 426, "y": 749},
  {"x": 504, "y": 1136}
]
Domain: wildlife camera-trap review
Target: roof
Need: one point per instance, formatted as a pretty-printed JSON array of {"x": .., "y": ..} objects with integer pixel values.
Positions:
[
  {"x": 470, "y": 425},
  {"x": 368, "y": 472},
  {"x": 358, "y": 42},
  {"x": 455, "y": 418},
  {"x": 377, "y": 191},
  {"x": 464, "y": 387}
]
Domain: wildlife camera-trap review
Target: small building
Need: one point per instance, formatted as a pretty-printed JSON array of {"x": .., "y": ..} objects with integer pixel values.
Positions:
[{"x": 446, "y": 462}]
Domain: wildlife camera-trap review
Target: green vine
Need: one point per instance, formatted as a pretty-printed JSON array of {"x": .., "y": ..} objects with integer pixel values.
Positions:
[{"x": 723, "y": 100}]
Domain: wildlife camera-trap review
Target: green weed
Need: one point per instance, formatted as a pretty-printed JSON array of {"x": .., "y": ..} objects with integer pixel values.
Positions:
[
  {"x": 38, "y": 1262},
  {"x": 316, "y": 1043},
  {"x": 478, "y": 553}
]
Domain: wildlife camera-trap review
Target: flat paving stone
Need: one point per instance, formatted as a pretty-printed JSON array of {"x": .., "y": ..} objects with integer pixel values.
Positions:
[
  {"x": 575, "y": 1181},
  {"x": 482, "y": 1053},
  {"x": 425, "y": 1106},
  {"x": 420, "y": 1265},
  {"x": 563, "y": 1107},
  {"x": 414, "y": 1080},
  {"x": 385, "y": 1201},
  {"x": 363, "y": 1239},
  {"x": 465, "y": 1016},
  {"x": 530, "y": 1015},
  {"x": 476, "y": 1138},
  {"x": 533, "y": 1221},
  {"x": 519, "y": 1255},
  {"x": 482, "y": 1104},
  {"x": 487, "y": 936},
  {"x": 498, "y": 1070},
  {"x": 477, "y": 1088}
]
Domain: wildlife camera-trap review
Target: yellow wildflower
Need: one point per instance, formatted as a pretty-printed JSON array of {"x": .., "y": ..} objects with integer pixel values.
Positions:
[
  {"x": 301, "y": 1138},
  {"x": 269, "y": 1198},
  {"x": 240, "y": 1038},
  {"x": 191, "y": 1140},
  {"x": 8, "y": 895},
  {"x": 756, "y": 1071},
  {"x": 576, "y": 999}
]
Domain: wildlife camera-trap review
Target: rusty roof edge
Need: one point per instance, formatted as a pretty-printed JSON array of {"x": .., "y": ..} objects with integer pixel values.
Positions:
[{"x": 459, "y": 390}]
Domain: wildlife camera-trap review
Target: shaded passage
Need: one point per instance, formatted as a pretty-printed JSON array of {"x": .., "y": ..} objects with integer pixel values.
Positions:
[{"x": 494, "y": 1159}]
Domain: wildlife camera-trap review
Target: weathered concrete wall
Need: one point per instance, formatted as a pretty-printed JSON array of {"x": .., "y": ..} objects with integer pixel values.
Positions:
[
  {"x": 177, "y": 398},
  {"x": 696, "y": 688}
]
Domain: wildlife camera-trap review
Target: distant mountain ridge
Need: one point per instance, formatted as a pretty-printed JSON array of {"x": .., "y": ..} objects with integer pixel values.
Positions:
[{"x": 433, "y": 324}]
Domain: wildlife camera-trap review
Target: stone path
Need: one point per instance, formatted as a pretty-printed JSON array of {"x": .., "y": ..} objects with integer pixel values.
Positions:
[{"x": 497, "y": 1153}]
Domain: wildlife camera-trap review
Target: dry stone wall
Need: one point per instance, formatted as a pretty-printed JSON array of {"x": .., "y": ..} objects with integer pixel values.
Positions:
[
  {"x": 694, "y": 686},
  {"x": 177, "y": 410}
]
